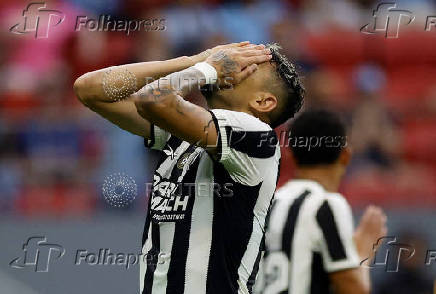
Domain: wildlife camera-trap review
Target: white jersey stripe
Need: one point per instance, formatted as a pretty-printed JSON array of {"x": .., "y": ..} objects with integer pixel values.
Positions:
[
  {"x": 163, "y": 264},
  {"x": 316, "y": 227},
  {"x": 200, "y": 239},
  {"x": 246, "y": 268},
  {"x": 208, "y": 211},
  {"x": 143, "y": 260}
]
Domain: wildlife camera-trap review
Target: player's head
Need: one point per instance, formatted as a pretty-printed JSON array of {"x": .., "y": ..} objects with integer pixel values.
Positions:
[
  {"x": 273, "y": 93},
  {"x": 319, "y": 138}
]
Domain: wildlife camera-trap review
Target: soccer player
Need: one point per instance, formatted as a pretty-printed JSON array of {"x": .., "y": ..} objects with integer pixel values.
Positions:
[
  {"x": 218, "y": 169},
  {"x": 310, "y": 245}
]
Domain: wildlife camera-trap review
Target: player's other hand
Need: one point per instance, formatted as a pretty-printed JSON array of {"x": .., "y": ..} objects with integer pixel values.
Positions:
[
  {"x": 205, "y": 54},
  {"x": 371, "y": 228},
  {"x": 234, "y": 64}
]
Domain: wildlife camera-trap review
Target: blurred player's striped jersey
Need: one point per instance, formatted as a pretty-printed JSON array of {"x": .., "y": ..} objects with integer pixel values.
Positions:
[
  {"x": 206, "y": 217},
  {"x": 309, "y": 234}
]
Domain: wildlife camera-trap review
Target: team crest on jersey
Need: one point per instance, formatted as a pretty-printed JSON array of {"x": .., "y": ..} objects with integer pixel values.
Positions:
[{"x": 183, "y": 160}]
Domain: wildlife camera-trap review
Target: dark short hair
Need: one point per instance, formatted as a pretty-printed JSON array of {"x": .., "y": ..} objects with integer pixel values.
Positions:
[
  {"x": 317, "y": 137},
  {"x": 294, "y": 88}
]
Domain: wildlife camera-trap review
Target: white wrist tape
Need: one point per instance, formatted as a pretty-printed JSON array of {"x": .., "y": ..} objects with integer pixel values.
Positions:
[{"x": 208, "y": 71}]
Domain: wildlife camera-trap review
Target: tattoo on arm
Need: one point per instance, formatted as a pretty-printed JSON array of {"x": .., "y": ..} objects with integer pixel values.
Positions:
[
  {"x": 155, "y": 91},
  {"x": 183, "y": 106},
  {"x": 175, "y": 84},
  {"x": 118, "y": 83},
  {"x": 186, "y": 81}
]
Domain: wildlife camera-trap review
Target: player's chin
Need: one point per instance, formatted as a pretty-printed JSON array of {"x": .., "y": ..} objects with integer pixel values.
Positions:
[
  {"x": 213, "y": 91},
  {"x": 208, "y": 91}
]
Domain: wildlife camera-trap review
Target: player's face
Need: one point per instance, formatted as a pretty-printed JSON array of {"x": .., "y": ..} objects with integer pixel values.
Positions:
[{"x": 239, "y": 95}]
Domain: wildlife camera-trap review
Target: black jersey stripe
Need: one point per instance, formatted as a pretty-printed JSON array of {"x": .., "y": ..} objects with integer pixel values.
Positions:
[
  {"x": 226, "y": 223},
  {"x": 179, "y": 251},
  {"x": 327, "y": 223},
  {"x": 152, "y": 259},
  {"x": 252, "y": 278},
  {"x": 256, "y": 144},
  {"x": 218, "y": 132},
  {"x": 147, "y": 222},
  {"x": 232, "y": 227},
  {"x": 179, "y": 254},
  {"x": 149, "y": 142},
  {"x": 319, "y": 281},
  {"x": 289, "y": 228}
]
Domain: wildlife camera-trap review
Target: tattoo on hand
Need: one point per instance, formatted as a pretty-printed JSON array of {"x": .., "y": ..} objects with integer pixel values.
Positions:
[
  {"x": 206, "y": 54},
  {"x": 228, "y": 65},
  {"x": 118, "y": 84}
]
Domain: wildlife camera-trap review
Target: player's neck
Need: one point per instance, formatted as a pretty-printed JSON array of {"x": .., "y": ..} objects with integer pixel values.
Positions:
[
  {"x": 216, "y": 102},
  {"x": 219, "y": 104},
  {"x": 327, "y": 176}
]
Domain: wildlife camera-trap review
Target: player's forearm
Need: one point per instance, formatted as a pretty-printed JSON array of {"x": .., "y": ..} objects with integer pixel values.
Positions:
[
  {"x": 119, "y": 82},
  {"x": 162, "y": 104},
  {"x": 363, "y": 253},
  {"x": 354, "y": 281},
  {"x": 155, "y": 99},
  {"x": 366, "y": 279}
]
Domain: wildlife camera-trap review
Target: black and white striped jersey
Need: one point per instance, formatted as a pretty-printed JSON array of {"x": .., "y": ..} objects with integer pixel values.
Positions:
[
  {"x": 309, "y": 235},
  {"x": 206, "y": 216}
]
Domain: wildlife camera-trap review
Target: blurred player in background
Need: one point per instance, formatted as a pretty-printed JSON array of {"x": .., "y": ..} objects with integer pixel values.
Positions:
[
  {"x": 215, "y": 179},
  {"x": 310, "y": 243}
]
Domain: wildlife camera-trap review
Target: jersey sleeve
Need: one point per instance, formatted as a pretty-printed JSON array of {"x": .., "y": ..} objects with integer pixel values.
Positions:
[
  {"x": 158, "y": 138},
  {"x": 247, "y": 147},
  {"x": 334, "y": 218}
]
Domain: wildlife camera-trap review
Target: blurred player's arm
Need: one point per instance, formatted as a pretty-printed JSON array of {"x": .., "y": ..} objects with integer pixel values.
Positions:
[
  {"x": 108, "y": 91},
  {"x": 161, "y": 102},
  {"x": 372, "y": 227}
]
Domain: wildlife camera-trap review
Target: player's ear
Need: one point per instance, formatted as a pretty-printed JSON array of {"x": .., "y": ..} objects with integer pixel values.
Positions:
[
  {"x": 345, "y": 156},
  {"x": 263, "y": 102}
]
